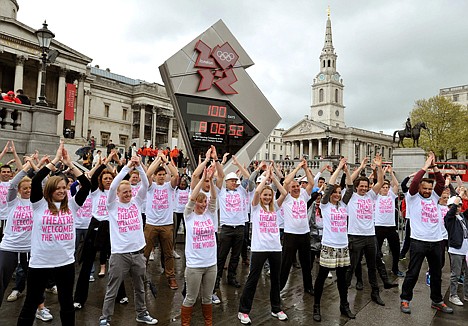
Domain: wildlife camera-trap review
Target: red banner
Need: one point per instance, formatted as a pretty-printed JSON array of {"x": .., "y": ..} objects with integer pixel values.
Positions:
[{"x": 70, "y": 102}]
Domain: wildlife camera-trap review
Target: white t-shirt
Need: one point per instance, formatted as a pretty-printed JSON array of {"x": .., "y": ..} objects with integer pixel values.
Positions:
[
  {"x": 361, "y": 214},
  {"x": 125, "y": 222},
  {"x": 335, "y": 225},
  {"x": 200, "y": 240},
  {"x": 384, "y": 213},
  {"x": 265, "y": 230},
  {"x": 232, "y": 206},
  {"x": 17, "y": 232},
  {"x": 160, "y": 204},
  {"x": 53, "y": 236},
  {"x": 135, "y": 189},
  {"x": 100, "y": 204},
  {"x": 295, "y": 216},
  {"x": 84, "y": 214},
  {"x": 181, "y": 199},
  {"x": 425, "y": 217},
  {"x": 3, "y": 199},
  {"x": 442, "y": 212}
]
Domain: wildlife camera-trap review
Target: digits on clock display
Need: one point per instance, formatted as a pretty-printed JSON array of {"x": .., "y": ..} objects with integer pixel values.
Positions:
[{"x": 217, "y": 128}]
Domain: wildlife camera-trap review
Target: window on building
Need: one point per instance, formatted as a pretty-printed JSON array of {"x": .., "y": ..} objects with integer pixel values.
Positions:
[
  {"x": 104, "y": 138},
  {"x": 329, "y": 63},
  {"x": 455, "y": 97},
  {"x": 274, "y": 146},
  {"x": 124, "y": 114},
  {"x": 281, "y": 147},
  {"x": 336, "y": 95},
  {"x": 106, "y": 110},
  {"x": 267, "y": 156},
  {"x": 274, "y": 157},
  {"x": 266, "y": 146},
  {"x": 321, "y": 95},
  {"x": 123, "y": 140},
  {"x": 281, "y": 156},
  {"x": 323, "y": 63}
]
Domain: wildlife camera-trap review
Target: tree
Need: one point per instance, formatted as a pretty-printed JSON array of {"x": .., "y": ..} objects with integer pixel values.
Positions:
[{"x": 446, "y": 122}]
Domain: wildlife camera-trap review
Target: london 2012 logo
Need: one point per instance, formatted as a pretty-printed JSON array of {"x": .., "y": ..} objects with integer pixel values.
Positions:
[{"x": 217, "y": 64}]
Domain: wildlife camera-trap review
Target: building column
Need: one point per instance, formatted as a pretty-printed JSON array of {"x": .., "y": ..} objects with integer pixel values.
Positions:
[
  {"x": 61, "y": 100},
  {"x": 311, "y": 152},
  {"x": 301, "y": 148},
  {"x": 337, "y": 147},
  {"x": 39, "y": 82},
  {"x": 154, "y": 117},
  {"x": 87, "y": 104},
  {"x": 329, "y": 146},
  {"x": 19, "y": 69},
  {"x": 141, "y": 134},
  {"x": 169, "y": 132},
  {"x": 80, "y": 107},
  {"x": 292, "y": 150},
  {"x": 319, "y": 147}
]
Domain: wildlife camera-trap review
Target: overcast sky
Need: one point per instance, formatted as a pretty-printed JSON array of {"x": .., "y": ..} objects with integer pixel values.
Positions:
[{"x": 390, "y": 53}]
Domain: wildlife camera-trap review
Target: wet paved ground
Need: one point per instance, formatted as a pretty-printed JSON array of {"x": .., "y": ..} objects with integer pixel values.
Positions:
[{"x": 296, "y": 304}]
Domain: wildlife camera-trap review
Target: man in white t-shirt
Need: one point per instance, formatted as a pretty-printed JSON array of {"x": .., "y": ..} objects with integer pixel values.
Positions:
[
  {"x": 159, "y": 213},
  {"x": 426, "y": 235},
  {"x": 231, "y": 201},
  {"x": 361, "y": 231}
]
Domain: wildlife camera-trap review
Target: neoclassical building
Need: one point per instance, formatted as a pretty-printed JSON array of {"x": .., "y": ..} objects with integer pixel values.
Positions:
[
  {"x": 99, "y": 102},
  {"x": 323, "y": 132}
]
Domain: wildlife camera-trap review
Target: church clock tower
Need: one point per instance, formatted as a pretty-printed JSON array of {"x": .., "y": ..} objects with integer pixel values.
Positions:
[{"x": 327, "y": 90}]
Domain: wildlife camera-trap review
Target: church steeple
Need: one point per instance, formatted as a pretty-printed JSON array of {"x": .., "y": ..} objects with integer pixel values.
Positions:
[
  {"x": 327, "y": 89},
  {"x": 8, "y": 8}
]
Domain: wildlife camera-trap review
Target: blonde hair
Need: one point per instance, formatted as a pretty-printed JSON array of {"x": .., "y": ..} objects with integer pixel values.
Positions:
[
  {"x": 49, "y": 188},
  {"x": 25, "y": 179},
  {"x": 200, "y": 197},
  {"x": 271, "y": 205},
  {"x": 122, "y": 183}
]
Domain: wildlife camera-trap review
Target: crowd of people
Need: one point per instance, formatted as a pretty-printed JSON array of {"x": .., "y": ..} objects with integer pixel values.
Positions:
[{"x": 57, "y": 218}]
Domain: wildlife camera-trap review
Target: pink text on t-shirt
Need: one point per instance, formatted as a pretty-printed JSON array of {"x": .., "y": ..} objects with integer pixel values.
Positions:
[
  {"x": 338, "y": 219},
  {"x": 233, "y": 202},
  {"x": 429, "y": 213},
  {"x": 128, "y": 219},
  {"x": 160, "y": 199},
  {"x": 299, "y": 209},
  {"x": 385, "y": 205},
  {"x": 364, "y": 209},
  {"x": 268, "y": 222},
  {"x": 203, "y": 234},
  {"x": 57, "y": 227},
  {"x": 22, "y": 219}
]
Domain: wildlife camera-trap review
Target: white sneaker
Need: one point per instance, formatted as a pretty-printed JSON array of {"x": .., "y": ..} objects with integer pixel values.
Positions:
[
  {"x": 77, "y": 305},
  {"x": 124, "y": 300},
  {"x": 176, "y": 255},
  {"x": 91, "y": 278},
  {"x": 330, "y": 275},
  {"x": 151, "y": 257},
  {"x": 280, "y": 315},
  {"x": 15, "y": 294},
  {"x": 215, "y": 299},
  {"x": 44, "y": 314},
  {"x": 244, "y": 318},
  {"x": 52, "y": 290},
  {"x": 455, "y": 300}
]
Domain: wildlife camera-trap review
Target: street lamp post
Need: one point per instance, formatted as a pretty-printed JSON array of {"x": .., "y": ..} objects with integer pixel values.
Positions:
[
  {"x": 327, "y": 135},
  {"x": 44, "y": 37}
]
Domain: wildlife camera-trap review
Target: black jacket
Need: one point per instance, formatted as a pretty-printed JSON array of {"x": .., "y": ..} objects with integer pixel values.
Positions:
[{"x": 454, "y": 227}]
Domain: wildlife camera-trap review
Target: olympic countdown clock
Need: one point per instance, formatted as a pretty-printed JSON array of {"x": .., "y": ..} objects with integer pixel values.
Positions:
[{"x": 215, "y": 100}]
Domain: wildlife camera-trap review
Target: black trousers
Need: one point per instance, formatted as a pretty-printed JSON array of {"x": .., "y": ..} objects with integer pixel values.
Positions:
[
  {"x": 389, "y": 233},
  {"x": 230, "y": 239},
  {"x": 359, "y": 245},
  {"x": 419, "y": 250},
  {"x": 64, "y": 277},
  {"x": 293, "y": 243},
  {"x": 257, "y": 261},
  {"x": 8, "y": 264},
  {"x": 340, "y": 282}
]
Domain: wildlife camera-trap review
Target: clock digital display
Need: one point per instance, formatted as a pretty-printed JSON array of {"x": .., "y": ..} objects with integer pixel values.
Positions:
[{"x": 213, "y": 122}]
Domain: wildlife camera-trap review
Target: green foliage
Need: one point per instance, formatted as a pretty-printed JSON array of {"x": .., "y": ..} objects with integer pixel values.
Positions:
[{"x": 446, "y": 123}]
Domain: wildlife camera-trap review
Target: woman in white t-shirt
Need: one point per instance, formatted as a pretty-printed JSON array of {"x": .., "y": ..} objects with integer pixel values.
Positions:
[
  {"x": 53, "y": 239},
  {"x": 200, "y": 250},
  {"x": 334, "y": 253},
  {"x": 265, "y": 245}
]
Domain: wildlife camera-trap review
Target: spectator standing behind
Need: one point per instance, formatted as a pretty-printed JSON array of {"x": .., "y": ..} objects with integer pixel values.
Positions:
[
  {"x": 426, "y": 235},
  {"x": 110, "y": 146},
  {"x": 92, "y": 144},
  {"x": 175, "y": 155},
  {"x": 10, "y": 97},
  {"x": 23, "y": 98},
  {"x": 97, "y": 158}
]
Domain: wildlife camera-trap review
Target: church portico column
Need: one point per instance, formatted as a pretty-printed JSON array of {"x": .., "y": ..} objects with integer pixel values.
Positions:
[
  {"x": 61, "y": 100},
  {"x": 311, "y": 153},
  {"x": 301, "y": 148},
  {"x": 154, "y": 111},
  {"x": 19, "y": 70},
  {"x": 337, "y": 147},
  {"x": 329, "y": 147},
  {"x": 292, "y": 150},
  {"x": 319, "y": 147},
  {"x": 87, "y": 104}
]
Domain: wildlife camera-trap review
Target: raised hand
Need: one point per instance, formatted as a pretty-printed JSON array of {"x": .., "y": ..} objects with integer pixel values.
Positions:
[{"x": 378, "y": 160}]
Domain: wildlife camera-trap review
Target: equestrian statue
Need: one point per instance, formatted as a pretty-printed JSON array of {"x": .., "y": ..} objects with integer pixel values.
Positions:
[{"x": 410, "y": 132}]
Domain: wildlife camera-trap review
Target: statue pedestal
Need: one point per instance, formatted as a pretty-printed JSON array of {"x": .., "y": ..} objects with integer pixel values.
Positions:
[{"x": 407, "y": 161}]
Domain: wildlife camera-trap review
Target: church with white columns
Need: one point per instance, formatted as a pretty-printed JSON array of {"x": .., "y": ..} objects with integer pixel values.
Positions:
[
  {"x": 104, "y": 104},
  {"x": 323, "y": 132}
]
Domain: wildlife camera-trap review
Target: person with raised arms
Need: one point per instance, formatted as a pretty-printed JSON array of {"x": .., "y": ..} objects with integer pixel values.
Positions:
[{"x": 127, "y": 243}]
